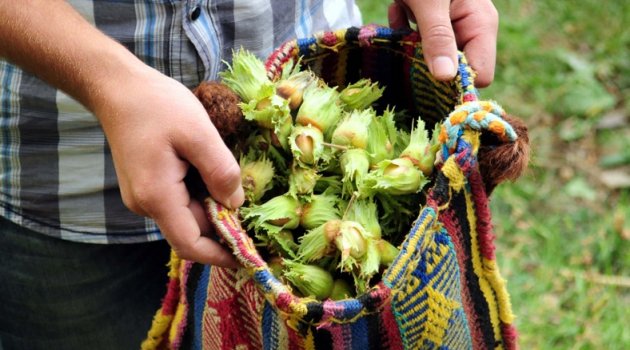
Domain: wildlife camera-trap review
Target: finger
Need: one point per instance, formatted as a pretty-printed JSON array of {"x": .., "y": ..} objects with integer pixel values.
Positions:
[
  {"x": 182, "y": 221},
  {"x": 199, "y": 213},
  {"x": 397, "y": 17},
  {"x": 219, "y": 170},
  {"x": 438, "y": 38},
  {"x": 476, "y": 24},
  {"x": 481, "y": 55},
  {"x": 179, "y": 226}
]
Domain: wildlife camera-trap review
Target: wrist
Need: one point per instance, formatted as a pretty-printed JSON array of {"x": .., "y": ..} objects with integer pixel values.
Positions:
[{"x": 112, "y": 75}]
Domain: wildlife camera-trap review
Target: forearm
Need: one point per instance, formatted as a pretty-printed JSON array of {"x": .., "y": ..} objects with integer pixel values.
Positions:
[{"x": 51, "y": 40}]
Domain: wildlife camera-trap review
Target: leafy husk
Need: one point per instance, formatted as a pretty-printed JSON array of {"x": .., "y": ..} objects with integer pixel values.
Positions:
[
  {"x": 341, "y": 290},
  {"x": 397, "y": 176},
  {"x": 306, "y": 144},
  {"x": 320, "y": 108},
  {"x": 352, "y": 131},
  {"x": 320, "y": 209},
  {"x": 256, "y": 177},
  {"x": 247, "y": 77},
  {"x": 355, "y": 165},
  {"x": 310, "y": 280},
  {"x": 360, "y": 95},
  {"x": 272, "y": 216}
]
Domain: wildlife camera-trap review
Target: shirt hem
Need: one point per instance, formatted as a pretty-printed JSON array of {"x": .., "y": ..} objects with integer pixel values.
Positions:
[{"x": 77, "y": 235}]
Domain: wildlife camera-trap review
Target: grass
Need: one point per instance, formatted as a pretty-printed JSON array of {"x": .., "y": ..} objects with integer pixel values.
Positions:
[{"x": 563, "y": 230}]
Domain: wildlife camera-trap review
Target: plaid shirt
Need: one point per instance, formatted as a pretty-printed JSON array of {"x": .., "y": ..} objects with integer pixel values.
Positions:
[{"x": 56, "y": 172}]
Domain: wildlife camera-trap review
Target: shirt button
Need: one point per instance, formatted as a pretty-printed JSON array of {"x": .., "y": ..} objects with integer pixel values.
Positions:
[{"x": 195, "y": 13}]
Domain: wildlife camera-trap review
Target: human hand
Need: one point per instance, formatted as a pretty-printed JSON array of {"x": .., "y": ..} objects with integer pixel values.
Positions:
[
  {"x": 156, "y": 129},
  {"x": 446, "y": 25},
  {"x": 155, "y": 126}
]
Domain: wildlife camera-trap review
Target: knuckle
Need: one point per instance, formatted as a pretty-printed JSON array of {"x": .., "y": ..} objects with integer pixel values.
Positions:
[
  {"x": 182, "y": 252},
  {"x": 487, "y": 15},
  {"x": 492, "y": 16},
  {"x": 142, "y": 199},
  {"x": 440, "y": 33},
  {"x": 131, "y": 205},
  {"x": 129, "y": 201},
  {"x": 196, "y": 138},
  {"x": 184, "y": 249},
  {"x": 227, "y": 175}
]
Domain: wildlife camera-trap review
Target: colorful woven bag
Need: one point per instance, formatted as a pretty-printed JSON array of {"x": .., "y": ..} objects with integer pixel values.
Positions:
[{"x": 443, "y": 291}]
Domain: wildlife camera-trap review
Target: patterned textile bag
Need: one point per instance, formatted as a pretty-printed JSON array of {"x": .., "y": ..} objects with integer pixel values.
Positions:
[{"x": 443, "y": 291}]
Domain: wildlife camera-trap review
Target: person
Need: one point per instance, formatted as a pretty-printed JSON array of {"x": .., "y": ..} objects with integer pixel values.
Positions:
[{"x": 99, "y": 129}]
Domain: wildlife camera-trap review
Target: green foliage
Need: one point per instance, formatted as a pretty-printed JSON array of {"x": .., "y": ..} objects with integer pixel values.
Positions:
[{"x": 563, "y": 237}]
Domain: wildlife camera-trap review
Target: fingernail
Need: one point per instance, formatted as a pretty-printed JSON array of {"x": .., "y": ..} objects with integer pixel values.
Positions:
[
  {"x": 236, "y": 199},
  {"x": 443, "y": 68}
]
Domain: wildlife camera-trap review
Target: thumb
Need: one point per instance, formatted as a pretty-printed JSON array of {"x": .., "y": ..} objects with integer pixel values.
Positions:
[{"x": 438, "y": 37}]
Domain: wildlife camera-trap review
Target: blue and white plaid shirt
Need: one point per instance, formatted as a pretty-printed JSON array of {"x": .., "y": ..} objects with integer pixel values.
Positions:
[{"x": 56, "y": 171}]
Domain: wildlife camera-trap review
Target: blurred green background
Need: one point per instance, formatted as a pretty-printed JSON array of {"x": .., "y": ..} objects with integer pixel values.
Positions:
[{"x": 563, "y": 230}]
